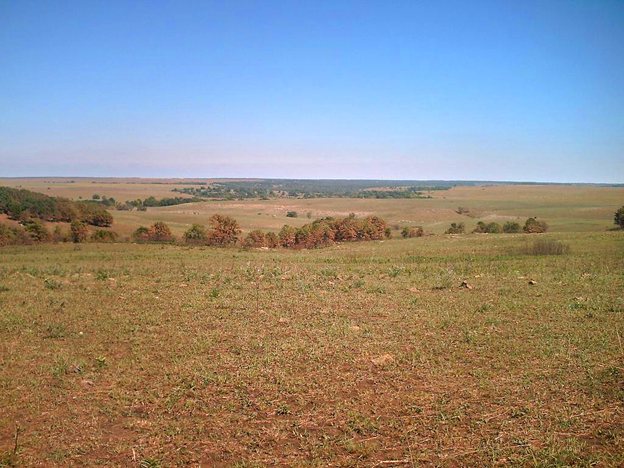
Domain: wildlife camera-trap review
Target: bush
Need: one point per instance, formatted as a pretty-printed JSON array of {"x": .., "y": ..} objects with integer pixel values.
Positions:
[
  {"x": 292, "y": 214},
  {"x": 196, "y": 235},
  {"x": 287, "y": 236},
  {"x": 409, "y": 232},
  {"x": 490, "y": 228},
  {"x": 547, "y": 247},
  {"x": 159, "y": 232},
  {"x": 37, "y": 232},
  {"x": 100, "y": 235},
  {"x": 272, "y": 240},
  {"x": 456, "y": 228},
  {"x": 533, "y": 226},
  {"x": 141, "y": 234},
  {"x": 225, "y": 230},
  {"x": 78, "y": 232},
  {"x": 511, "y": 227},
  {"x": 255, "y": 238},
  {"x": 619, "y": 218}
]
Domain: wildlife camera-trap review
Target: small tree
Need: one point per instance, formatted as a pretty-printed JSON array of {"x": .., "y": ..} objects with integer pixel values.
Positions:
[
  {"x": 456, "y": 228},
  {"x": 141, "y": 234},
  {"x": 100, "y": 235},
  {"x": 511, "y": 227},
  {"x": 288, "y": 236},
  {"x": 38, "y": 232},
  {"x": 255, "y": 238},
  {"x": 58, "y": 235},
  {"x": 160, "y": 232},
  {"x": 409, "y": 232},
  {"x": 533, "y": 226},
  {"x": 619, "y": 218},
  {"x": 272, "y": 241},
  {"x": 225, "y": 230},
  {"x": 78, "y": 232},
  {"x": 196, "y": 234}
]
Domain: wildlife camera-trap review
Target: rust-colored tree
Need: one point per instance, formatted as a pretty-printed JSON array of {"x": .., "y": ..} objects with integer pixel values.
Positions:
[
  {"x": 159, "y": 232},
  {"x": 225, "y": 230}
]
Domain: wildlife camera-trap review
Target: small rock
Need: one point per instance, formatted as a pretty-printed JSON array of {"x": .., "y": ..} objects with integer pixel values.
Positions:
[
  {"x": 381, "y": 360},
  {"x": 283, "y": 320},
  {"x": 532, "y": 282},
  {"x": 87, "y": 383},
  {"x": 415, "y": 290},
  {"x": 355, "y": 328},
  {"x": 465, "y": 285}
]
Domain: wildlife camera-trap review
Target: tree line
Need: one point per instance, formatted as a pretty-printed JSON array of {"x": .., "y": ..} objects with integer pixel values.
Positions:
[{"x": 26, "y": 206}]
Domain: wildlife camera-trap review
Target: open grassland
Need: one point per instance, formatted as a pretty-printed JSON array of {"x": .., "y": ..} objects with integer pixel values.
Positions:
[
  {"x": 364, "y": 354},
  {"x": 565, "y": 208}
]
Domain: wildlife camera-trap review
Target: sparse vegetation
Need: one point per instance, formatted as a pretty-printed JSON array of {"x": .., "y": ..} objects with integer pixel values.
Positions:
[
  {"x": 456, "y": 228},
  {"x": 547, "y": 247},
  {"x": 155, "y": 337}
]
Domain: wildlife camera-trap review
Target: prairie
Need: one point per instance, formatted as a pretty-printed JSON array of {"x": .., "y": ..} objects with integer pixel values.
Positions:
[
  {"x": 566, "y": 208},
  {"x": 368, "y": 354}
]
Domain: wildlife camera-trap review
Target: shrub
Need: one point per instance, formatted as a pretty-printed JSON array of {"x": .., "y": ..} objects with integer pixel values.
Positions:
[
  {"x": 511, "y": 227},
  {"x": 272, "y": 241},
  {"x": 59, "y": 236},
  {"x": 100, "y": 235},
  {"x": 533, "y": 226},
  {"x": 619, "y": 218},
  {"x": 37, "y": 231},
  {"x": 225, "y": 230},
  {"x": 78, "y": 232},
  {"x": 409, "y": 232},
  {"x": 490, "y": 228},
  {"x": 8, "y": 235},
  {"x": 141, "y": 234},
  {"x": 196, "y": 234},
  {"x": 456, "y": 228},
  {"x": 287, "y": 236},
  {"x": 255, "y": 238},
  {"x": 292, "y": 214},
  {"x": 547, "y": 247},
  {"x": 159, "y": 232}
]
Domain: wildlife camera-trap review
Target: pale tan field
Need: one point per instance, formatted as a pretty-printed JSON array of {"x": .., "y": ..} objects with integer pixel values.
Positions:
[{"x": 565, "y": 208}]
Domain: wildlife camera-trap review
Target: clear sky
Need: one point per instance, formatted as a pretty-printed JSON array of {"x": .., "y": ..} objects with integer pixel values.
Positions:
[{"x": 500, "y": 90}]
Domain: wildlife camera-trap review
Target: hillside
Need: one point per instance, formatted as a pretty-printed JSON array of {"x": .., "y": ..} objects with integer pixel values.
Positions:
[{"x": 22, "y": 204}]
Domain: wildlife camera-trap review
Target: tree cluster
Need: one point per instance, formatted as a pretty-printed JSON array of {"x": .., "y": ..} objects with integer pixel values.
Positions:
[{"x": 23, "y": 205}]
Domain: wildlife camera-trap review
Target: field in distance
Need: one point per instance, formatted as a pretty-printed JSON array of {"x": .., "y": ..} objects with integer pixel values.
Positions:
[{"x": 565, "y": 208}]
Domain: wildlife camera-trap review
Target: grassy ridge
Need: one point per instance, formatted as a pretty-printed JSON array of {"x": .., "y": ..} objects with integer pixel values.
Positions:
[{"x": 351, "y": 356}]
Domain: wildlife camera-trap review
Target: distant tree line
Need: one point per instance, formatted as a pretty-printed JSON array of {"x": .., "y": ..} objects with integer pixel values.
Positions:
[
  {"x": 24, "y": 206},
  {"x": 531, "y": 226},
  {"x": 277, "y": 188}
]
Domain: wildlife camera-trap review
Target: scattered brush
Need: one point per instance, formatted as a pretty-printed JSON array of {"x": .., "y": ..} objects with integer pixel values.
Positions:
[{"x": 546, "y": 247}]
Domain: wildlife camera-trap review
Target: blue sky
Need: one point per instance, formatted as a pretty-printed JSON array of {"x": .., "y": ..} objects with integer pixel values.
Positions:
[{"x": 476, "y": 90}]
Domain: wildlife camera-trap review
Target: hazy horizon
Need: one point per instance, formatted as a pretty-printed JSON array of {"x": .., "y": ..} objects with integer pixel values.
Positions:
[{"x": 483, "y": 91}]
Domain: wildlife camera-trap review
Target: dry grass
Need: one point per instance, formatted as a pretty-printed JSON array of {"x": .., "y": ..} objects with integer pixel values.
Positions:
[{"x": 359, "y": 355}]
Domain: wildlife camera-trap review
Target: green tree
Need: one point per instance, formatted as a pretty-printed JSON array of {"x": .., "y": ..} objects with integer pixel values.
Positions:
[
  {"x": 533, "y": 226},
  {"x": 511, "y": 227},
  {"x": 456, "y": 228},
  {"x": 196, "y": 234},
  {"x": 619, "y": 218}
]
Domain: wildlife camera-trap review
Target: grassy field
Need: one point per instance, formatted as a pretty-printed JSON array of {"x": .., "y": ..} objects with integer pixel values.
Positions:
[
  {"x": 369, "y": 355},
  {"x": 565, "y": 208}
]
